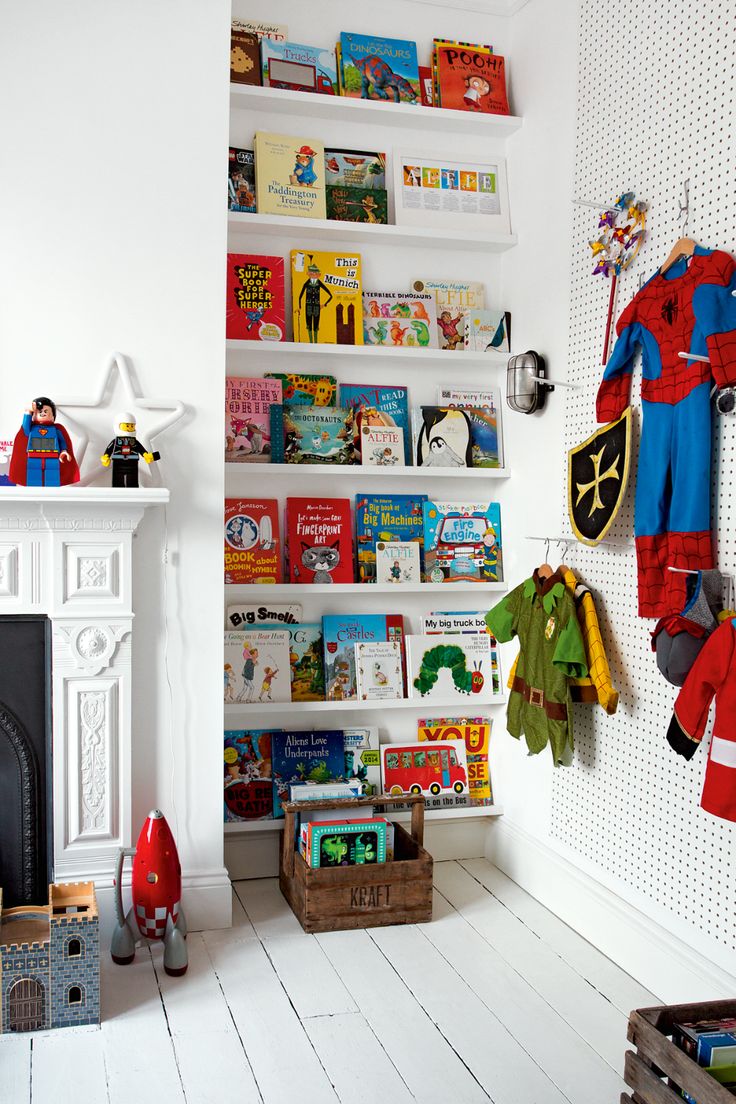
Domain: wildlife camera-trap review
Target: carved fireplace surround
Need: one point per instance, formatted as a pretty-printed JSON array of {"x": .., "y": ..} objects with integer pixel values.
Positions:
[{"x": 67, "y": 552}]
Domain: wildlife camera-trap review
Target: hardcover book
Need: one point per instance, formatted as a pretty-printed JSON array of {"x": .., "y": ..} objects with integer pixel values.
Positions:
[
  {"x": 462, "y": 542},
  {"x": 248, "y": 420},
  {"x": 475, "y": 732},
  {"x": 373, "y": 68},
  {"x": 355, "y": 169},
  {"x": 369, "y": 205},
  {"x": 386, "y": 518},
  {"x": 289, "y": 175},
  {"x": 426, "y": 85},
  {"x": 312, "y": 434},
  {"x": 399, "y": 319},
  {"x": 416, "y": 768},
  {"x": 443, "y": 437},
  {"x": 307, "y": 389},
  {"x": 341, "y": 843},
  {"x": 319, "y": 540},
  {"x": 299, "y": 68},
  {"x": 398, "y": 562},
  {"x": 449, "y": 666},
  {"x": 463, "y": 621},
  {"x": 486, "y": 330},
  {"x": 245, "y": 61},
  {"x": 243, "y": 614},
  {"x": 378, "y": 406},
  {"x": 326, "y": 297},
  {"x": 379, "y": 672},
  {"x": 453, "y": 300},
  {"x": 317, "y": 756},
  {"x": 381, "y": 446},
  {"x": 276, "y": 32},
  {"x": 307, "y": 662},
  {"x": 362, "y": 758},
  {"x": 483, "y": 409},
  {"x": 470, "y": 78},
  {"x": 252, "y": 543},
  {"x": 257, "y": 667},
  {"x": 256, "y": 303},
  {"x": 341, "y": 633},
  {"x": 248, "y": 783},
  {"x": 241, "y": 180}
]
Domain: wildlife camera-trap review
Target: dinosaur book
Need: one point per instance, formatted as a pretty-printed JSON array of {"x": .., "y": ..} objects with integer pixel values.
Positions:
[
  {"x": 405, "y": 319},
  {"x": 373, "y": 68}
]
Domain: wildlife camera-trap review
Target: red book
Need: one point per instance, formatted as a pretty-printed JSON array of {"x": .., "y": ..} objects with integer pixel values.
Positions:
[
  {"x": 256, "y": 304},
  {"x": 252, "y": 544},
  {"x": 471, "y": 79},
  {"x": 425, "y": 85},
  {"x": 319, "y": 539}
]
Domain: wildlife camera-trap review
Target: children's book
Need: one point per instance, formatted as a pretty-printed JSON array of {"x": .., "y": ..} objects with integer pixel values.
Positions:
[
  {"x": 242, "y": 614},
  {"x": 290, "y": 175},
  {"x": 381, "y": 446},
  {"x": 252, "y": 544},
  {"x": 378, "y": 406},
  {"x": 307, "y": 389},
  {"x": 443, "y": 437},
  {"x": 341, "y": 633},
  {"x": 470, "y": 78},
  {"x": 398, "y": 562},
  {"x": 357, "y": 204},
  {"x": 483, "y": 409},
  {"x": 319, "y": 540},
  {"x": 464, "y": 621},
  {"x": 327, "y": 791},
  {"x": 317, "y": 756},
  {"x": 247, "y": 418},
  {"x": 373, "y": 68},
  {"x": 449, "y": 666},
  {"x": 338, "y": 843},
  {"x": 6, "y": 451},
  {"x": 416, "y": 768},
  {"x": 355, "y": 169},
  {"x": 476, "y": 734},
  {"x": 273, "y": 32},
  {"x": 378, "y": 670},
  {"x": 257, "y": 667},
  {"x": 256, "y": 303},
  {"x": 426, "y": 85},
  {"x": 241, "y": 180},
  {"x": 245, "y": 60},
  {"x": 248, "y": 782},
  {"x": 386, "y": 518},
  {"x": 462, "y": 542},
  {"x": 299, "y": 68},
  {"x": 399, "y": 319},
  {"x": 486, "y": 330},
  {"x": 453, "y": 300},
  {"x": 326, "y": 297},
  {"x": 312, "y": 434},
  {"x": 307, "y": 662},
  {"x": 362, "y": 758}
]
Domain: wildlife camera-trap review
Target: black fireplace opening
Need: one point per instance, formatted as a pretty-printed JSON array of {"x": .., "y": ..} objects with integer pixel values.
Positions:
[{"x": 26, "y": 822}]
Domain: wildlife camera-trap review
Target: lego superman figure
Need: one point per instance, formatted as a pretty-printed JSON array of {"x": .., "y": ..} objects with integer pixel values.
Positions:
[{"x": 43, "y": 455}]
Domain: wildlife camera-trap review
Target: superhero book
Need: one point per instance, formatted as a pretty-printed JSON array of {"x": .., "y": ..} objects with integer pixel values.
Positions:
[
  {"x": 307, "y": 662},
  {"x": 256, "y": 303},
  {"x": 475, "y": 732},
  {"x": 452, "y": 666},
  {"x": 386, "y": 518},
  {"x": 373, "y": 68},
  {"x": 376, "y": 407},
  {"x": 241, "y": 180},
  {"x": 252, "y": 544},
  {"x": 257, "y": 666},
  {"x": 289, "y": 175},
  {"x": 248, "y": 782},
  {"x": 399, "y": 319},
  {"x": 362, "y": 758},
  {"x": 298, "y": 68},
  {"x": 341, "y": 634},
  {"x": 469, "y": 77},
  {"x": 443, "y": 437},
  {"x": 317, "y": 756},
  {"x": 248, "y": 405},
  {"x": 326, "y": 298},
  {"x": 243, "y": 614},
  {"x": 319, "y": 540},
  {"x": 306, "y": 389},
  {"x": 312, "y": 434},
  {"x": 462, "y": 542}
]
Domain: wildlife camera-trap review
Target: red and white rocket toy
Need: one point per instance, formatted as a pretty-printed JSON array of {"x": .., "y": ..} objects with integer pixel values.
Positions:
[{"x": 156, "y": 913}]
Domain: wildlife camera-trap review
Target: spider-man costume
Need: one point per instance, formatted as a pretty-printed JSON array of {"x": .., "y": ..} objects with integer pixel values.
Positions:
[{"x": 688, "y": 309}]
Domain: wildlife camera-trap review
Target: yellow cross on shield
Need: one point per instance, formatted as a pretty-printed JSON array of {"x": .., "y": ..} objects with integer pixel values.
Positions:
[{"x": 597, "y": 474}]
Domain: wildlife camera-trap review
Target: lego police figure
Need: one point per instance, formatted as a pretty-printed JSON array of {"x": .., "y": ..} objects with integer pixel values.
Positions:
[{"x": 124, "y": 453}]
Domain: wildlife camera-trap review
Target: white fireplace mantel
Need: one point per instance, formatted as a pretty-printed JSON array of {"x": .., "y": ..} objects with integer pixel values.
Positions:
[{"x": 67, "y": 552}]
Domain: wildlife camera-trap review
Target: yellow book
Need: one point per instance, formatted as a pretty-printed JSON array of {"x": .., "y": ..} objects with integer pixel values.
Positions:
[
  {"x": 290, "y": 175},
  {"x": 326, "y": 298}
]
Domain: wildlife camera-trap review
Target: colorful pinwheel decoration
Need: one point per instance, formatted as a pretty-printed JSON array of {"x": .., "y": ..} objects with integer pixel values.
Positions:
[{"x": 620, "y": 234}]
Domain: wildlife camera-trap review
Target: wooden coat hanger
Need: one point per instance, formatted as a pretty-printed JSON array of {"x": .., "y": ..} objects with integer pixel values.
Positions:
[
  {"x": 545, "y": 570},
  {"x": 683, "y": 247}
]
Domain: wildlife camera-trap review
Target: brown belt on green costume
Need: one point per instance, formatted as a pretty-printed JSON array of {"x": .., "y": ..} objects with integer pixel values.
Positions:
[{"x": 556, "y": 711}]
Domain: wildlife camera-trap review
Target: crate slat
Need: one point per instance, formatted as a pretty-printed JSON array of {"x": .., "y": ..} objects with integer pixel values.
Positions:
[{"x": 639, "y": 1077}]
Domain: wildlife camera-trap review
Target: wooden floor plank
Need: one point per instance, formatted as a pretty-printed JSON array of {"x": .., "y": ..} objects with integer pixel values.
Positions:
[
  {"x": 196, "y": 999},
  {"x": 214, "y": 1068},
  {"x": 348, "y": 1049},
  {"x": 68, "y": 1067},
  {"x": 15, "y": 1068},
  {"x": 308, "y": 977},
  {"x": 267, "y": 908}
]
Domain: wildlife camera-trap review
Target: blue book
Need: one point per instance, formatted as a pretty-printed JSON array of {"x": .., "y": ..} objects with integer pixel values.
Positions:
[
  {"x": 311, "y": 434},
  {"x": 377, "y": 406},
  {"x": 462, "y": 542},
  {"x": 375, "y": 68},
  {"x": 296, "y": 757},
  {"x": 386, "y": 518},
  {"x": 340, "y": 634}
]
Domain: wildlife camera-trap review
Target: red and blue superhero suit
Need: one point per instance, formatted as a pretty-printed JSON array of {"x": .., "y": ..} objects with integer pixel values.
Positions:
[
  {"x": 690, "y": 308},
  {"x": 35, "y": 459}
]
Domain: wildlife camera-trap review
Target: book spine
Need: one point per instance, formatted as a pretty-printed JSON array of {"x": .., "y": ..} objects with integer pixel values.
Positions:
[{"x": 276, "y": 416}]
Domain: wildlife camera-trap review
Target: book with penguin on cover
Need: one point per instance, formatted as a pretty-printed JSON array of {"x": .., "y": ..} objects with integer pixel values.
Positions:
[
  {"x": 326, "y": 297},
  {"x": 319, "y": 540},
  {"x": 290, "y": 175},
  {"x": 256, "y": 303}
]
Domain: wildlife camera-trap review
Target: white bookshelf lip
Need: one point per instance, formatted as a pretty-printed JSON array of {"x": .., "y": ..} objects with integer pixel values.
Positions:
[
  {"x": 368, "y": 471},
  {"x": 246, "y": 827},
  {"x": 293, "y": 590},
  {"x": 385, "y": 352},
  {"x": 249, "y": 709}
]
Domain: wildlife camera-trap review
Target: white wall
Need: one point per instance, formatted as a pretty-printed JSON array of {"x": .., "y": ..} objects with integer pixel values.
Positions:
[{"x": 113, "y": 223}]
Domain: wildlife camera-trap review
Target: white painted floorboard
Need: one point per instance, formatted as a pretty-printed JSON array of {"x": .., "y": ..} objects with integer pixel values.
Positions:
[{"x": 494, "y": 1000}]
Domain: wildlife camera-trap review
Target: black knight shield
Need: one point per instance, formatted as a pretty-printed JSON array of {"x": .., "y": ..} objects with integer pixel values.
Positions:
[{"x": 597, "y": 474}]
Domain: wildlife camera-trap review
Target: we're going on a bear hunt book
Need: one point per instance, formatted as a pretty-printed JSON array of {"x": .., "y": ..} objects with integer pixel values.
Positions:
[{"x": 290, "y": 175}]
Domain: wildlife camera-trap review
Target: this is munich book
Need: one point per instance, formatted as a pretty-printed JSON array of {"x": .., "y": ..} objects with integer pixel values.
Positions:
[
  {"x": 462, "y": 542},
  {"x": 376, "y": 407},
  {"x": 306, "y": 388},
  {"x": 317, "y": 756},
  {"x": 312, "y": 434},
  {"x": 326, "y": 297},
  {"x": 252, "y": 544},
  {"x": 319, "y": 540},
  {"x": 241, "y": 180},
  {"x": 386, "y": 518},
  {"x": 248, "y": 782},
  {"x": 248, "y": 419},
  {"x": 256, "y": 304},
  {"x": 299, "y": 68},
  {"x": 290, "y": 175},
  {"x": 341, "y": 633},
  {"x": 374, "y": 68},
  {"x": 404, "y": 319}
]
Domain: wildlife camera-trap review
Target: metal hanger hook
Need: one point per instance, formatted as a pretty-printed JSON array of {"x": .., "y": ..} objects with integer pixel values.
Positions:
[{"x": 684, "y": 213}]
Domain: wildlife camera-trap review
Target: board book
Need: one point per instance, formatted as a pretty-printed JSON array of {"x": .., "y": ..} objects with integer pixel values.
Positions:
[
  {"x": 449, "y": 666},
  {"x": 319, "y": 540},
  {"x": 317, "y": 756},
  {"x": 248, "y": 405},
  {"x": 341, "y": 633},
  {"x": 379, "y": 672},
  {"x": 312, "y": 434},
  {"x": 257, "y": 667},
  {"x": 289, "y": 175},
  {"x": 306, "y": 389},
  {"x": 475, "y": 732},
  {"x": 417, "y": 768},
  {"x": 398, "y": 563},
  {"x": 307, "y": 662},
  {"x": 298, "y": 68},
  {"x": 245, "y": 58},
  {"x": 248, "y": 788},
  {"x": 326, "y": 297},
  {"x": 256, "y": 303},
  {"x": 386, "y": 518},
  {"x": 381, "y": 446},
  {"x": 362, "y": 758},
  {"x": 252, "y": 544},
  {"x": 453, "y": 299},
  {"x": 373, "y": 68},
  {"x": 486, "y": 330},
  {"x": 241, "y": 181},
  {"x": 399, "y": 319},
  {"x": 243, "y": 614},
  {"x": 378, "y": 406},
  {"x": 462, "y": 542}
]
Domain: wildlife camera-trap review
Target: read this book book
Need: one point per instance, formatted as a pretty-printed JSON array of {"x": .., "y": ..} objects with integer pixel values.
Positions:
[
  {"x": 378, "y": 406},
  {"x": 398, "y": 562},
  {"x": 373, "y": 68},
  {"x": 449, "y": 666},
  {"x": 300, "y": 68},
  {"x": 317, "y": 756},
  {"x": 257, "y": 666},
  {"x": 252, "y": 544},
  {"x": 386, "y": 518},
  {"x": 462, "y": 542},
  {"x": 362, "y": 758},
  {"x": 379, "y": 672},
  {"x": 289, "y": 175},
  {"x": 312, "y": 434},
  {"x": 248, "y": 405},
  {"x": 319, "y": 540},
  {"x": 443, "y": 437},
  {"x": 256, "y": 302},
  {"x": 307, "y": 389},
  {"x": 381, "y": 446},
  {"x": 307, "y": 662},
  {"x": 245, "y": 60},
  {"x": 248, "y": 783},
  {"x": 241, "y": 180},
  {"x": 453, "y": 299},
  {"x": 242, "y": 614},
  {"x": 341, "y": 633},
  {"x": 400, "y": 319},
  {"x": 326, "y": 297},
  {"x": 476, "y": 734}
]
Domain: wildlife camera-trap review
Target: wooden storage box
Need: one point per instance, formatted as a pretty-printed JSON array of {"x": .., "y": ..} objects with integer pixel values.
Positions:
[
  {"x": 657, "y": 1057},
  {"x": 340, "y": 898}
]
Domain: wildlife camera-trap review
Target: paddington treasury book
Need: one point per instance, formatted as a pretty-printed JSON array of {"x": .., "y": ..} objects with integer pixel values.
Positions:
[
  {"x": 252, "y": 545},
  {"x": 256, "y": 306},
  {"x": 319, "y": 540},
  {"x": 290, "y": 175}
]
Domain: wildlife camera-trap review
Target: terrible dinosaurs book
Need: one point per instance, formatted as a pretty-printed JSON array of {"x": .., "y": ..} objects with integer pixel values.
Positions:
[
  {"x": 326, "y": 297},
  {"x": 256, "y": 304},
  {"x": 399, "y": 318},
  {"x": 373, "y": 68},
  {"x": 290, "y": 175}
]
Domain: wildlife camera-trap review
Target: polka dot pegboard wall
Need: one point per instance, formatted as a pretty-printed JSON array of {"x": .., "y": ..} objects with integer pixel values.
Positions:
[{"x": 657, "y": 84}]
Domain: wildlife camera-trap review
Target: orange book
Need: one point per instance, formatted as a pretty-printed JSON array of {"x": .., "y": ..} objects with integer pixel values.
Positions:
[{"x": 471, "y": 78}]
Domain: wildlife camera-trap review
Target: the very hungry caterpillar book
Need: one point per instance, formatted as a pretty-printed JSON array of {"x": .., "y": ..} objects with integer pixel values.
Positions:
[
  {"x": 451, "y": 665},
  {"x": 341, "y": 633},
  {"x": 385, "y": 518},
  {"x": 312, "y": 434},
  {"x": 252, "y": 544},
  {"x": 319, "y": 540},
  {"x": 317, "y": 756},
  {"x": 326, "y": 297},
  {"x": 290, "y": 175},
  {"x": 248, "y": 418},
  {"x": 256, "y": 304}
]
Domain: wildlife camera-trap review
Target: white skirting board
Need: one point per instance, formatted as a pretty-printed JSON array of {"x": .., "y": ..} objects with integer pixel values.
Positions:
[
  {"x": 678, "y": 971},
  {"x": 206, "y": 898}
]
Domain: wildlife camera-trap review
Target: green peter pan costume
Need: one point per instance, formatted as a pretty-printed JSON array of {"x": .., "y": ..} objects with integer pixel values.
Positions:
[{"x": 542, "y": 614}]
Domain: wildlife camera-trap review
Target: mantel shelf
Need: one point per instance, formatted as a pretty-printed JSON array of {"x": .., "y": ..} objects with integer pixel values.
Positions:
[
  {"x": 85, "y": 496},
  {"x": 379, "y": 352}
]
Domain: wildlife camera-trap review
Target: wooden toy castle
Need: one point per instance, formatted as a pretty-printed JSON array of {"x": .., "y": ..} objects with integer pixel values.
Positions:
[{"x": 50, "y": 961}]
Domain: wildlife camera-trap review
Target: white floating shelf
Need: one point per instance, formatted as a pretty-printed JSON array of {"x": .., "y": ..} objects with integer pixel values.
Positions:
[
  {"x": 379, "y": 352},
  {"x": 413, "y": 117},
  {"x": 246, "y": 827},
  {"x": 293, "y": 590},
  {"x": 305, "y": 231},
  {"x": 262, "y": 709},
  {"x": 369, "y": 471},
  {"x": 109, "y": 496}
]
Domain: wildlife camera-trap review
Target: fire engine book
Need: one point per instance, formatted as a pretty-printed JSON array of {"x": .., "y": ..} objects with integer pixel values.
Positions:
[
  {"x": 312, "y": 434},
  {"x": 398, "y": 562},
  {"x": 379, "y": 672},
  {"x": 386, "y": 518},
  {"x": 317, "y": 756},
  {"x": 416, "y": 768},
  {"x": 378, "y": 406},
  {"x": 307, "y": 662},
  {"x": 247, "y": 418},
  {"x": 381, "y": 446},
  {"x": 252, "y": 544},
  {"x": 362, "y": 758},
  {"x": 476, "y": 734},
  {"x": 373, "y": 68},
  {"x": 341, "y": 843},
  {"x": 462, "y": 542},
  {"x": 256, "y": 303},
  {"x": 483, "y": 410},
  {"x": 241, "y": 181},
  {"x": 470, "y": 78},
  {"x": 453, "y": 299},
  {"x": 242, "y": 614},
  {"x": 319, "y": 540},
  {"x": 326, "y": 297},
  {"x": 341, "y": 633},
  {"x": 486, "y": 330},
  {"x": 443, "y": 437},
  {"x": 449, "y": 666},
  {"x": 248, "y": 783},
  {"x": 245, "y": 60},
  {"x": 298, "y": 68},
  {"x": 399, "y": 319},
  {"x": 290, "y": 175},
  {"x": 257, "y": 666},
  {"x": 307, "y": 389}
]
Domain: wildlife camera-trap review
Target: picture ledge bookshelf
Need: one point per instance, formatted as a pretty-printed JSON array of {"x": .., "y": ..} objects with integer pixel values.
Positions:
[
  {"x": 292, "y": 591},
  {"x": 309, "y": 472},
  {"x": 300, "y": 349},
  {"x": 246, "y": 827},
  {"x": 259, "y": 709}
]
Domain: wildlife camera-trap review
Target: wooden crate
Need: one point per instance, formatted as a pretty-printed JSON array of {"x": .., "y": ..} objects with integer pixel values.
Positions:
[
  {"x": 340, "y": 898},
  {"x": 657, "y": 1056}
]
